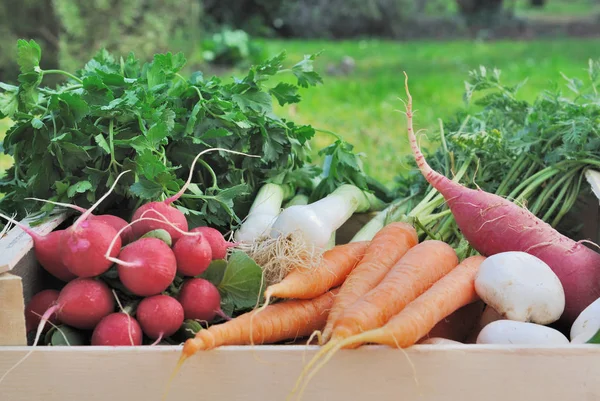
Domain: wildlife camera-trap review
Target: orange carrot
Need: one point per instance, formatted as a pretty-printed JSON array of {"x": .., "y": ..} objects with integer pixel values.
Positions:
[
  {"x": 280, "y": 321},
  {"x": 450, "y": 293},
  {"x": 303, "y": 283},
  {"x": 413, "y": 274},
  {"x": 386, "y": 248}
]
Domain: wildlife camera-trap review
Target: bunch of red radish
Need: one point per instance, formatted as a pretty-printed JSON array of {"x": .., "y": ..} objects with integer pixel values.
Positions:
[{"x": 146, "y": 266}]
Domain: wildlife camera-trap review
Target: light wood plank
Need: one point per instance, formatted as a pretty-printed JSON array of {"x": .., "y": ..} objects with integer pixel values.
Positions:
[
  {"x": 12, "y": 311},
  {"x": 441, "y": 372}
]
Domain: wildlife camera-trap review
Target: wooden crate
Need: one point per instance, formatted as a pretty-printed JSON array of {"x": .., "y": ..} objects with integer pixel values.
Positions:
[{"x": 467, "y": 372}]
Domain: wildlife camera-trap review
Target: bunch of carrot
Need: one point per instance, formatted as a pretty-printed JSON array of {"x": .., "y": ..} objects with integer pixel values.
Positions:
[{"x": 390, "y": 290}]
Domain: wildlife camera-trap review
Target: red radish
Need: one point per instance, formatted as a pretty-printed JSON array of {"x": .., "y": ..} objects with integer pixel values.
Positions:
[
  {"x": 83, "y": 245},
  {"x": 115, "y": 221},
  {"x": 174, "y": 216},
  {"x": 166, "y": 211},
  {"x": 159, "y": 316},
  {"x": 46, "y": 250},
  {"x": 217, "y": 242},
  {"x": 200, "y": 300},
  {"x": 117, "y": 329},
  {"x": 82, "y": 303},
  {"x": 37, "y": 305},
  {"x": 146, "y": 267},
  {"x": 193, "y": 255},
  {"x": 493, "y": 224}
]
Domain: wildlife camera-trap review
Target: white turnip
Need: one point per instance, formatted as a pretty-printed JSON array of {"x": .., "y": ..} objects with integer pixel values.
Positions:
[{"x": 520, "y": 287}]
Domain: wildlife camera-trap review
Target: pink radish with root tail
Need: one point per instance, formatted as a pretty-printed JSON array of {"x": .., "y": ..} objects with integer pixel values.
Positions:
[
  {"x": 115, "y": 221},
  {"x": 174, "y": 215},
  {"x": 160, "y": 316},
  {"x": 46, "y": 249},
  {"x": 147, "y": 266},
  {"x": 82, "y": 246},
  {"x": 493, "y": 224},
  {"x": 82, "y": 303}
]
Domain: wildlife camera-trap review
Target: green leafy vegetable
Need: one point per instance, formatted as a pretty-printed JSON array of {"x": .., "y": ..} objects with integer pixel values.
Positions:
[{"x": 70, "y": 142}]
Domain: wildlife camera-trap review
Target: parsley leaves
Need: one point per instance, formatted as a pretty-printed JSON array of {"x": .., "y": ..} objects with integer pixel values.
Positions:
[{"x": 70, "y": 142}]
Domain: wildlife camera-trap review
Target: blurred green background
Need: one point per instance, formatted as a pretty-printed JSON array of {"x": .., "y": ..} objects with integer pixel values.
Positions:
[{"x": 366, "y": 44}]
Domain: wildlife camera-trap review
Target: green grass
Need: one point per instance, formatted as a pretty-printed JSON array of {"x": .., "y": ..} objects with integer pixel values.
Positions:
[{"x": 362, "y": 106}]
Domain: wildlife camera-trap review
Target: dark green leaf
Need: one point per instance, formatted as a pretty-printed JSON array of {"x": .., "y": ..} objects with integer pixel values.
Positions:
[
  {"x": 146, "y": 189},
  {"x": 241, "y": 281},
  {"x": 285, "y": 93},
  {"x": 215, "y": 271},
  {"x": 157, "y": 134},
  {"x": 68, "y": 336},
  {"x": 102, "y": 143},
  {"x": 79, "y": 187},
  {"x": 74, "y": 105},
  {"x": 215, "y": 133},
  {"x": 304, "y": 72},
  {"x": 254, "y": 101},
  {"x": 29, "y": 55}
]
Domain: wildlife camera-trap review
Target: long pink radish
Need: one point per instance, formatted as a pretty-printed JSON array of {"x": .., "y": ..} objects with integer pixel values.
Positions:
[
  {"x": 174, "y": 215},
  {"x": 493, "y": 224},
  {"x": 47, "y": 251}
]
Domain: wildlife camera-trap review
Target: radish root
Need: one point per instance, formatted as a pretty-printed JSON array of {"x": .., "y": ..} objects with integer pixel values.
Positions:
[{"x": 45, "y": 318}]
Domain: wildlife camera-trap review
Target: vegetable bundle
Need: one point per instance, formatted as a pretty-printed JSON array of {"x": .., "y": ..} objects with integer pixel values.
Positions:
[
  {"x": 69, "y": 143},
  {"x": 533, "y": 153},
  {"x": 168, "y": 277}
]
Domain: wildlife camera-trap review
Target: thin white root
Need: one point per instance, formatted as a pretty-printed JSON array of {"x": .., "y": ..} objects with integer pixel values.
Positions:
[{"x": 278, "y": 256}]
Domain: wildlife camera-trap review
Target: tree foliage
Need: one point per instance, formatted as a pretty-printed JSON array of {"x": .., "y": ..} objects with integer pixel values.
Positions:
[{"x": 72, "y": 31}]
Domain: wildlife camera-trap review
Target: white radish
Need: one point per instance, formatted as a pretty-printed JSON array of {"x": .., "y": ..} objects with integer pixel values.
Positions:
[
  {"x": 514, "y": 332},
  {"x": 521, "y": 287},
  {"x": 587, "y": 323}
]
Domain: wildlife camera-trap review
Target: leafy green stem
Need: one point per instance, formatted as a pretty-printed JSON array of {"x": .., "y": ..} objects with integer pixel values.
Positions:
[{"x": 68, "y": 74}]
